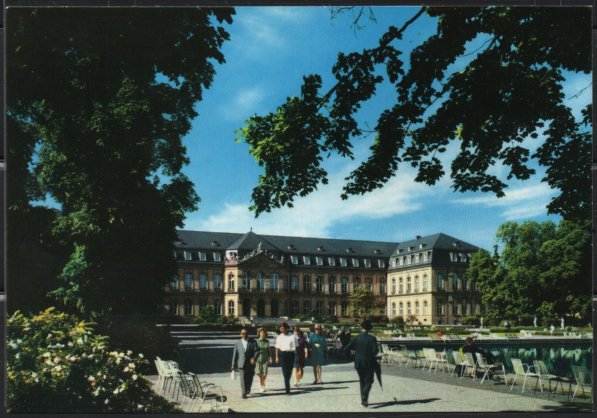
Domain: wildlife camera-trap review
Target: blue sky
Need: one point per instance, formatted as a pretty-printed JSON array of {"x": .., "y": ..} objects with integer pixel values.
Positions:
[{"x": 269, "y": 52}]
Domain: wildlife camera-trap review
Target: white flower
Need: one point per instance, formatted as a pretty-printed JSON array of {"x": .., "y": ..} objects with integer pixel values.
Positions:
[
  {"x": 91, "y": 378},
  {"x": 139, "y": 406},
  {"x": 19, "y": 341},
  {"x": 131, "y": 365},
  {"x": 140, "y": 355},
  {"x": 46, "y": 354},
  {"x": 129, "y": 352},
  {"x": 80, "y": 341},
  {"x": 115, "y": 392},
  {"x": 18, "y": 355},
  {"x": 107, "y": 401},
  {"x": 58, "y": 368},
  {"x": 135, "y": 377},
  {"x": 70, "y": 344},
  {"x": 126, "y": 369}
]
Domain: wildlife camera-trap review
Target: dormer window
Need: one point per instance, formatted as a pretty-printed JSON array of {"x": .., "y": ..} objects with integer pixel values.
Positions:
[
  {"x": 349, "y": 250},
  {"x": 382, "y": 263},
  {"x": 306, "y": 260},
  {"x": 215, "y": 244},
  {"x": 320, "y": 248},
  {"x": 392, "y": 262},
  {"x": 416, "y": 258},
  {"x": 421, "y": 245},
  {"x": 398, "y": 251},
  {"x": 355, "y": 262},
  {"x": 453, "y": 257},
  {"x": 425, "y": 256},
  {"x": 410, "y": 248},
  {"x": 331, "y": 261},
  {"x": 343, "y": 262},
  {"x": 291, "y": 247},
  {"x": 319, "y": 261},
  {"x": 188, "y": 256},
  {"x": 294, "y": 259},
  {"x": 376, "y": 251},
  {"x": 202, "y": 256},
  {"x": 217, "y": 256},
  {"x": 367, "y": 262}
]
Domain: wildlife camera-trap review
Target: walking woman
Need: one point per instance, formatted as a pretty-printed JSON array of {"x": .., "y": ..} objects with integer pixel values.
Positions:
[
  {"x": 264, "y": 358},
  {"x": 319, "y": 347},
  {"x": 299, "y": 359}
]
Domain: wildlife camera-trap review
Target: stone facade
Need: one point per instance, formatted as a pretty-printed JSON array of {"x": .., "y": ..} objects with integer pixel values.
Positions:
[{"x": 250, "y": 275}]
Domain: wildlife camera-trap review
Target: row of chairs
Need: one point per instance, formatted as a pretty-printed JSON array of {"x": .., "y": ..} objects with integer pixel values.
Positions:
[
  {"x": 196, "y": 394},
  {"x": 467, "y": 366}
]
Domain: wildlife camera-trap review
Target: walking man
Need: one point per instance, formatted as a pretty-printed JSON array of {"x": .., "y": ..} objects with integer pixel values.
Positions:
[
  {"x": 244, "y": 356},
  {"x": 366, "y": 350},
  {"x": 285, "y": 348}
]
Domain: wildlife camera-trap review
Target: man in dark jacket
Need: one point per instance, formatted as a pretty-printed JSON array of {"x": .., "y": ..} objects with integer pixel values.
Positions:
[
  {"x": 244, "y": 356},
  {"x": 366, "y": 350}
]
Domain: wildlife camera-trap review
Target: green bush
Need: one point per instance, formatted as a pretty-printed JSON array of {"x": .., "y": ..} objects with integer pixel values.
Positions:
[{"x": 56, "y": 363}]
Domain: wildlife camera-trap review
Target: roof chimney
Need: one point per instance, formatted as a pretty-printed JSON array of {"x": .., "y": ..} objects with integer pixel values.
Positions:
[{"x": 418, "y": 237}]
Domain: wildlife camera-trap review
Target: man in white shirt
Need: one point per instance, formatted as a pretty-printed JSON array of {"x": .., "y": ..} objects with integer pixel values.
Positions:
[{"x": 285, "y": 348}]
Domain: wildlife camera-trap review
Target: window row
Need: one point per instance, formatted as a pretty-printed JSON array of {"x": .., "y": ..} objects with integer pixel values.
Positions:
[
  {"x": 202, "y": 284},
  {"x": 189, "y": 255},
  {"x": 462, "y": 307},
  {"x": 419, "y": 308},
  {"x": 334, "y": 285},
  {"x": 409, "y": 285},
  {"x": 407, "y": 260},
  {"x": 188, "y": 308},
  {"x": 307, "y": 260},
  {"x": 455, "y": 281},
  {"x": 319, "y": 308}
]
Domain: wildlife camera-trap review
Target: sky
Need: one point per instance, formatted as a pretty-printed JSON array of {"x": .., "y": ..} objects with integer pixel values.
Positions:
[{"x": 269, "y": 52}]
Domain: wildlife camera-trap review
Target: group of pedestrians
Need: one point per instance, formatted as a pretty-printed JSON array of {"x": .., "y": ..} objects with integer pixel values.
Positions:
[
  {"x": 252, "y": 357},
  {"x": 291, "y": 350}
]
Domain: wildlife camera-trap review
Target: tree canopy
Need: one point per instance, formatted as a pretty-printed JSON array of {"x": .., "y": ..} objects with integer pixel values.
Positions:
[
  {"x": 542, "y": 270},
  {"x": 510, "y": 90},
  {"x": 98, "y": 103}
]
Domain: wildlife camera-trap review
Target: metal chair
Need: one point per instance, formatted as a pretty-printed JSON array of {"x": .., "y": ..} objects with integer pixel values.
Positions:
[
  {"x": 544, "y": 374},
  {"x": 458, "y": 361},
  {"x": 469, "y": 364},
  {"x": 489, "y": 369},
  {"x": 583, "y": 379},
  {"x": 520, "y": 370}
]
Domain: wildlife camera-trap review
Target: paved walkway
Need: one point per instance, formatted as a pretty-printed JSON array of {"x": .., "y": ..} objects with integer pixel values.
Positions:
[{"x": 405, "y": 390}]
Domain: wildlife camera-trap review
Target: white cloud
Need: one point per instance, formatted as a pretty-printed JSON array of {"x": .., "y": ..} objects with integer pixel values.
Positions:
[
  {"x": 317, "y": 213},
  {"x": 289, "y": 14},
  {"x": 520, "y": 203},
  {"x": 244, "y": 103}
]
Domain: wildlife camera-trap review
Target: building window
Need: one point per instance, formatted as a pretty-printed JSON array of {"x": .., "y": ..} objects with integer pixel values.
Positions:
[
  {"x": 416, "y": 307},
  {"x": 416, "y": 284},
  {"x": 465, "y": 284},
  {"x": 294, "y": 307},
  {"x": 454, "y": 308},
  {"x": 393, "y": 286},
  {"x": 367, "y": 262},
  {"x": 400, "y": 285},
  {"x": 393, "y": 309},
  {"x": 417, "y": 258},
  {"x": 332, "y": 284},
  {"x": 331, "y": 261},
  {"x": 174, "y": 282},
  {"x": 294, "y": 283},
  {"x": 260, "y": 281},
  {"x": 307, "y": 284},
  {"x": 188, "y": 256},
  {"x": 231, "y": 283},
  {"x": 425, "y": 283},
  {"x": 188, "y": 280},
  {"x": 173, "y": 307},
  {"x": 319, "y": 307},
  {"x": 425, "y": 308},
  {"x": 203, "y": 281},
  {"x": 247, "y": 280},
  {"x": 408, "y": 285},
  {"x": 218, "y": 307},
  {"x": 408, "y": 260},
  {"x": 455, "y": 281},
  {"x": 332, "y": 308},
  {"x": 408, "y": 309},
  {"x": 188, "y": 307},
  {"x": 355, "y": 262},
  {"x": 344, "y": 285},
  {"x": 439, "y": 308},
  {"x": 440, "y": 281},
  {"x": 294, "y": 259},
  {"x": 202, "y": 256},
  {"x": 217, "y": 281},
  {"x": 344, "y": 308},
  {"x": 319, "y": 261},
  {"x": 307, "y": 307},
  {"x": 425, "y": 257},
  {"x": 231, "y": 307},
  {"x": 275, "y": 281},
  {"x": 453, "y": 257},
  {"x": 382, "y": 285},
  {"x": 381, "y": 263},
  {"x": 357, "y": 282},
  {"x": 306, "y": 260},
  {"x": 401, "y": 309},
  {"x": 392, "y": 262},
  {"x": 217, "y": 256},
  {"x": 343, "y": 262},
  {"x": 369, "y": 283},
  {"x": 319, "y": 284}
]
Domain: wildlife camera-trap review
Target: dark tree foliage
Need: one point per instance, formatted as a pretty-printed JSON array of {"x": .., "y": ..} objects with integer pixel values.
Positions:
[
  {"x": 98, "y": 102},
  {"x": 542, "y": 270},
  {"x": 509, "y": 91}
]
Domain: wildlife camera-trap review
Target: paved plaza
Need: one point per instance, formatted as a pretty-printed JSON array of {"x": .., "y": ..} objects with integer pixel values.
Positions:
[{"x": 404, "y": 390}]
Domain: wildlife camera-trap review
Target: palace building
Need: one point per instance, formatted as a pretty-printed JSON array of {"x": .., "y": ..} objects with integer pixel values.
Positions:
[{"x": 253, "y": 275}]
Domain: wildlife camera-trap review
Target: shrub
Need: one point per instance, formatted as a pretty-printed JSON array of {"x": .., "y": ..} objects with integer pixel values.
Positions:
[
  {"x": 398, "y": 321},
  {"x": 56, "y": 363},
  {"x": 332, "y": 319}
]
